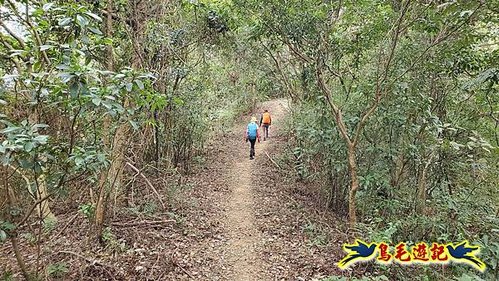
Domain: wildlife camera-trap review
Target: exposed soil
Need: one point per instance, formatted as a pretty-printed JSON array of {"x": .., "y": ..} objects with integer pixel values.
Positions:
[{"x": 231, "y": 219}]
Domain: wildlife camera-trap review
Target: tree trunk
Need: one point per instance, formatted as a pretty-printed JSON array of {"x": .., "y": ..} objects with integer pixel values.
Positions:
[
  {"x": 19, "y": 258},
  {"x": 43, "y": 208},
  {"x": 354, "y": 185},
  {"x": 110, "y": 180},
  {"x": 11, "y": 202},
  {"x": 104, "y": 186},
  {"x": 421, "y": 196},
  {"x": 100, "y": 207}
]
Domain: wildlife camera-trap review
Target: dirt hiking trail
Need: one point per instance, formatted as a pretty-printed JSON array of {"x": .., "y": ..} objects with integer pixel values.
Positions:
[
  {"x": 244, "y": 237},
  {"x": 249, "y": 219}
]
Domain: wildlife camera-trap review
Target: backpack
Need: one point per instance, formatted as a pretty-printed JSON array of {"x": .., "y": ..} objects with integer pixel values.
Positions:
[
  {"x": 266, "y": 118},
  {"x": 252, "y": 130}
]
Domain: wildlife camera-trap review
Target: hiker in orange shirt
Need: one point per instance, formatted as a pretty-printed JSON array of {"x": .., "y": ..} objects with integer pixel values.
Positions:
[{"x": 265, "y": 122}]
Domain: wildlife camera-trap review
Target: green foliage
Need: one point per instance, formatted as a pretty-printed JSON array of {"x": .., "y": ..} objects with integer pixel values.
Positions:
[
  {"x": 57, "y": 270},
  {"x": 30, "y": 237},
  {"x": 315, "y": 235},
  {"x": 113, "y": 243},
  {"x": 66, "y": 79},
  {"x": 6, "y": 226},
  {"x": 490, "y": 252},
  {"x": 61, "y": 107},
  {"x": 469, "y": 277},
  {"x": 178, "y": 219},
  {"x": 7, "y": 275},
  {"x": 149, "y": 208},
  {"x": 434, "y": 127},
  {"x": 88, "y": 210},
  {"x": 23, "y": 141},
  {"x": 3, "y": 236}
]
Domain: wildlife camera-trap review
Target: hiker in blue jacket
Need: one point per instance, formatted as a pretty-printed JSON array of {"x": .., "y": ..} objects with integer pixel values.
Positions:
[{"x": 252, "y": 136}]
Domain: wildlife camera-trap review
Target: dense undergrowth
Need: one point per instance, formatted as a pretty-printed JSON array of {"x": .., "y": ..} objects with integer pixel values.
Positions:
[
  {"x": 427, "y": 155},
  {"x": 99, "y": 99}
]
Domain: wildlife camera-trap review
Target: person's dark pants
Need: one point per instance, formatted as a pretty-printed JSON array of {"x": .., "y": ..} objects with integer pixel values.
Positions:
[
  {"x": 252, "y": 147},
  {"x": 266, "y": 131}
]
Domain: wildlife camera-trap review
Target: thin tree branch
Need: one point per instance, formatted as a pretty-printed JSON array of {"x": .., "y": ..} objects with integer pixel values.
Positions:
[
  {"x": 33, "y": 207},
  {"x": 148, "y": 183},
  {"x": 379, "y": 91},
  {"x": 11, "y": 33},
  {"x": 336, "y": 111},
  {"x": 31, "y": 27}
]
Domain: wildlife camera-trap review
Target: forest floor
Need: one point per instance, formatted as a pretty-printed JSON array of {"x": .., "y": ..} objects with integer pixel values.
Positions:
[
  {"x": 231, "y": 219},
  {"x": 264, "y": 226}
]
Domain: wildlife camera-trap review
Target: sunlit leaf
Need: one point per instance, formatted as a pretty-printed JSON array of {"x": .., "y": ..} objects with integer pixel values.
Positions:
[
  {"x": 46, "y": 47},
  {"x": 28, "y": 146},
  {"x": 41, "y": 139},
  {"x": 95, "y": 30},
  {"x": 3, "y": 235},
  {"x": 64, "y": 21},
  {"x": 48, "y": 6},
  {"x": 94, "y": 16},
  {"x": 97, "y": 101},
  {"x": 139, "y": 84},
  {"x": 134, "y": 125},
  {"x": 9, "y": 130},
  {"x": 129, "y": 87},
  {"x": 82, "y": 21}
]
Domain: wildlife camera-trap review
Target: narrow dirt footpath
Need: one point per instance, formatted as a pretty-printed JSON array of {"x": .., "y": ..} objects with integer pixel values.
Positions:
[
  {"x": 248, "y": 219},
  {"x": 244, "y": 237}
]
